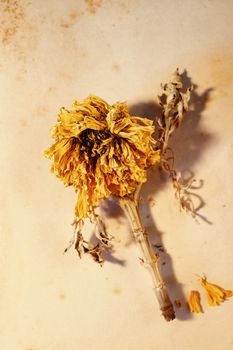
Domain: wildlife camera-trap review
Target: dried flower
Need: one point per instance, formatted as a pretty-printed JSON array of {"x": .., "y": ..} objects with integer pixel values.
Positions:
[
  {"x": 215, "y": 293},
  {"x": 101, "y": 150},
  {"x": 194, "y": 302}
]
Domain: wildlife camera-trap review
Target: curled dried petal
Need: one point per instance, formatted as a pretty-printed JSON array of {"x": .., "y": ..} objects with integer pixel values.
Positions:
[
  {"x": 194, "y": 302},
  {"x": 215, "y": 293}
]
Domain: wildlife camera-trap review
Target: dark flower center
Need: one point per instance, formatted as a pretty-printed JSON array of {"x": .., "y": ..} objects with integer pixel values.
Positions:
[{"x": 90, "y": 140}]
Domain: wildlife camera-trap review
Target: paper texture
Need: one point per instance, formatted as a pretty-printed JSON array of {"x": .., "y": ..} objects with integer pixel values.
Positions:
[{"x": 53, "y": 53}]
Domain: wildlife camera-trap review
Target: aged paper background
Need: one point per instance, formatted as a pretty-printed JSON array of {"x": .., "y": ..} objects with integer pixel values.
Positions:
[{"x": 53, "y": 52}]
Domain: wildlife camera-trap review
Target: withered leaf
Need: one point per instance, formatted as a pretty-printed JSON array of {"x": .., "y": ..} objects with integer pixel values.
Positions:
[{"x": 102, "y": 234}]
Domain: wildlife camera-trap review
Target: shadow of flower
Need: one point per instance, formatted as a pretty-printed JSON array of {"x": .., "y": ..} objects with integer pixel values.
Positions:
[{"x": 188, "y": 144}]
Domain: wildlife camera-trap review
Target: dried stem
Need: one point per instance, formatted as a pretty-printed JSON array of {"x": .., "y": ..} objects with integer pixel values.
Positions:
[{"x": 130, "y": 205}]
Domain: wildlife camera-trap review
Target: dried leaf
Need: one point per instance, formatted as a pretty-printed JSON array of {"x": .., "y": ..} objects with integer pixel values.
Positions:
[
  {"x": 78, "y": 225},
  {"x": 96, "y": 254},
  {"x": 101, "y": 233},
  {"x": 174, "y": 104},
  {"x": 83, "y": 247}
]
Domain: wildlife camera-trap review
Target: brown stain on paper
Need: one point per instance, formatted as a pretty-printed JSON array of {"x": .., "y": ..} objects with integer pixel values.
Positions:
[
  {"x": 18, "y": 36},
  {"x": 64, "y": 75},
  {"x": 41, "y": 111},
  {"x": 221, "y": 70},
  {"x": 93, "y": 5},
  {"x": 12, "y": 16},
  {"x": 71, "y": 19},
  {"x": 23, "y": 123},
  {"x": 62, "y": 296},
  {"x": 216, "y": 69},
  {"x": 115, "y": 67},
  {"x": 52, "y": 89},
  {"x": 125, "y": 6},
  {"x": 117, "y": 291}
]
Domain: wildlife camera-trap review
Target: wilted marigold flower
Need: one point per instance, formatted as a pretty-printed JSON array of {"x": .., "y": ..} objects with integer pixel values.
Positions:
[
  {"x": 101, "y": 150},
  {"x": 194, "y": 302},
  {"x": 215, "y": 293}
]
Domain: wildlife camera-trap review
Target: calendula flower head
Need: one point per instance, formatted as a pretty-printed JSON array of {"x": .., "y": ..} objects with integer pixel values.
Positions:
[
  {"x": 101, "y": 150},
  {"x": 194, "y": 302},
  {"x": 215, "y": 293}
]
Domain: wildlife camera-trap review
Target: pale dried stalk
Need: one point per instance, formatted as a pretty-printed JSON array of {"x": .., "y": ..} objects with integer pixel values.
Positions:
[
  {"x": 174, "y": 103},
  {"x": 130, "y": 205}
]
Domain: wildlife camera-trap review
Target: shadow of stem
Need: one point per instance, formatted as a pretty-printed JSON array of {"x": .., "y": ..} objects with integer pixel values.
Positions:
[
  {"x": 174, "y": 287},
  {"x": 188, "y": 144}
]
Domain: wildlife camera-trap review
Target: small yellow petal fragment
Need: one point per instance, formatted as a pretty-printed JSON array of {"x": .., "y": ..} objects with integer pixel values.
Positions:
[
  {"x": 228, "y": 293},
  {"x": 194, "y": 302},
  {"x": 178, "y": 303},
  {"x": 215, "y": 293}
]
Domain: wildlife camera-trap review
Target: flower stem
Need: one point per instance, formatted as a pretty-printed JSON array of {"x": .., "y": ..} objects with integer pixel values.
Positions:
[{"x": 130, "y": 206}]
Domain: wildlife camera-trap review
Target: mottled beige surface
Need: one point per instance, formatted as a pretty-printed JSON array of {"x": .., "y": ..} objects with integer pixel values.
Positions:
[{"x": 53, "y": 52}]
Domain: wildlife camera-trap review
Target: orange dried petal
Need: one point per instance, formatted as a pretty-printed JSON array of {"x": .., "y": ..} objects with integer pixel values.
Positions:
[
  {"x": 194, "y": 302},
  {"x": 215, "y": 293}
]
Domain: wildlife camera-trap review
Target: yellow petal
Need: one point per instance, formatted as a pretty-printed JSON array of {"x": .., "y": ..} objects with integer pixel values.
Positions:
[
  {"x": 194, "y": 302},
  {"x": 215, "y": 293},
  {"x": 82, "y": 206},
  {"x": 228, "y": 293}
]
